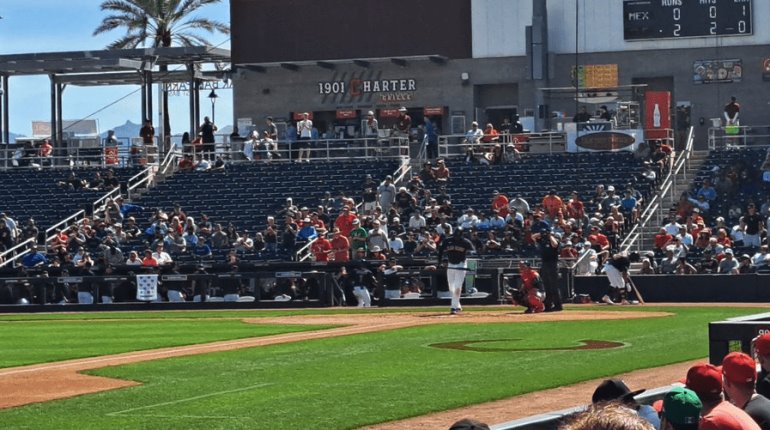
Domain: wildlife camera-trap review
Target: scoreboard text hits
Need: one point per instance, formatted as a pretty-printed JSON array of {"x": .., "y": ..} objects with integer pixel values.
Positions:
[{"x": 658, "y": 19}]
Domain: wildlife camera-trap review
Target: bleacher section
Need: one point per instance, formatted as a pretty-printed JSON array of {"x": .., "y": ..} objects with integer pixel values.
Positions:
[
  {"x": 34, "y": 193},
  {"x": 723, "y": 163},
  {"x": 532, "y": 178}
]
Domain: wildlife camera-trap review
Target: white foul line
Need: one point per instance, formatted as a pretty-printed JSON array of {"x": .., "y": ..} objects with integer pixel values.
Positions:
[{"x": 203, "y": 396}]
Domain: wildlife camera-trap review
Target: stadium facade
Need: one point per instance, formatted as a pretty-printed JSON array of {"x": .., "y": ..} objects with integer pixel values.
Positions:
[{"x": 464, "y": 60}]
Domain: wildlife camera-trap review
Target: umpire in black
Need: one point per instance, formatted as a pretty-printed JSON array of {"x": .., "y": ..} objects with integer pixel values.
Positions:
[{"x": 549, "y": 268}]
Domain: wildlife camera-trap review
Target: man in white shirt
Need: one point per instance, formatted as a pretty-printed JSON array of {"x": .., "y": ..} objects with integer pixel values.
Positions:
[
  {"x": 417, "y": 221},
  {"x": 474, "y": 135},
  {"x": 161, "y": 256},
  {"x": 672, "y": 227},
  {"x": 305, "y": 134},
  {"x": 468, "y": 220}
]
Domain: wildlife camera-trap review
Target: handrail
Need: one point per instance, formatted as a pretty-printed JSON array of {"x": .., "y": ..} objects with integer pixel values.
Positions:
[
  {"x": 653, "y": 206},
  {"x": 110, "y": 195},
  {"x": 49, "y": 236},
  {"x": 147, "y": 178},
  {"x": 301, "y": 251},
  {"x": 24, "y": 245}
]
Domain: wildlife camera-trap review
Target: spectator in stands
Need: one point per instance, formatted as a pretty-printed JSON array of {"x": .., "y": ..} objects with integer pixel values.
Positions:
[
  {"x": 707, "y": 264},
  {"x": 441, "y": 172},
  {"x": 685, "y": 268},
  {"x": 723, "y": 239},
  {"x": 148, "y": 259},
  {"x": 744, "y": 264},
  {"x": 728, "y": 265},
  {"x": 377, "y": 237},
  {"x": 615, "y": 390},
  {"x": 614, "y": 415},
  {"x": 358, "y": 236},
  {"x": 500, "y": 203},
  {"x": 345, "y": 220},
  {"x": 161, "y": 256},
  {"x": 46, "y": 151},
  {"x": 707, "y": 190},
  {"x": 468, "y": 220},
  {"x": 609, "y": 201},
  {"x": 587, "y": 260},
  {"x": 668, "y": 264},
  {"x": 520, "y": 205},
  {"x": 759, "y": 257},
  {"x": 386, "y": 194},
  {"x": 474, "y": 135},
  {"x": 552, "y": 204},
  {"x": 706, "y": 381},
  {"x": 739, "y": 375},
  {"x": 754, "y": 226},
  {"x": 732, "y": 112},
  {"x": 700, "y": 203},
  {"x": 417, "y": 221},
  {"x": 202, "y": 249},
  {"x": 629, "y": 207},
  {"x": 737, "y": 234},
  {"x": 491, "y": 135},
  {"x": 582, "y": 115},
  {"x": 244, "y": 243},
  {"x": 426, "y": 244},
  {"x": 599, "y": 242},
  {"x": 685, "y": 238},
  {"x": 681, "y": 410}
]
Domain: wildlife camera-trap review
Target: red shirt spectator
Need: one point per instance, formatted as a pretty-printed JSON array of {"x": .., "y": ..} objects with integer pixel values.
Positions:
[
  {"x": 500, "y": 204},
  {"x": 344, "y": 221},
  {"x": 598, "y": 239},
  {"x": 148, "y": 259},
  {"x": 662, "y": 238},
  {"x": 340, "y": 245},
  {"x": 321, "y": 247},
  {"x": 575, "y": 208},
  {"x": 552, "y": 203}
]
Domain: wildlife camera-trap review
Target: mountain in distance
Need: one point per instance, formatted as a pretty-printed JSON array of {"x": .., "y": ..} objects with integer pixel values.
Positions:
[{"x": 126, "y": 131}]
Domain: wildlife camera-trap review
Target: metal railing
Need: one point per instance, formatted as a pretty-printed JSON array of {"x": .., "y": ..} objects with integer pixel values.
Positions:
[
  {"x": 63, "y": 158},
  {"x": 456, "y": 145},
  {"x": 321, "y": 150},
  {"x": 738, "y": 136},
  {"x": 636, "y": 235},
  {"x": 16, "y": 252}
]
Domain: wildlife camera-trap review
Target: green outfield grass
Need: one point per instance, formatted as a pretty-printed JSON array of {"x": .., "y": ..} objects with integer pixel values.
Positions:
[{"x": 351, "y": 381}]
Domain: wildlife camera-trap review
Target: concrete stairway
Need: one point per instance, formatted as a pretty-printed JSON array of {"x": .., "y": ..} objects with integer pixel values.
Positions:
[{"x": 682, "y": 183}]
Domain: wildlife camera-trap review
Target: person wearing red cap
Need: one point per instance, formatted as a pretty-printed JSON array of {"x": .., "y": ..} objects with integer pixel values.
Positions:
[
  {"x": 739, "y": 373},
  {"x": 706, "y": 381},
  {"x": 762, "y": 351}
]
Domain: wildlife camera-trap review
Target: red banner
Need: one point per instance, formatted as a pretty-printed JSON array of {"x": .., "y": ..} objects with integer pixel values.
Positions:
[
  {"x": 657, "y": 114},
  {"x": 298, "y": 116},
  {"x": 388, "y": 113},
  {"x": 433, "y": 111},
  {"x": 346, "y": 113}
]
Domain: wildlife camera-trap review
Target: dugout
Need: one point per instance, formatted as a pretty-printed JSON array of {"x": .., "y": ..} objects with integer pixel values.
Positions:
[{"x": 747, "y": 288}]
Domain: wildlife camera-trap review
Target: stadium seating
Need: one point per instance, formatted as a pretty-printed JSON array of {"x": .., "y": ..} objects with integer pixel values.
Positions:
[{"x": 34, "y": 193}]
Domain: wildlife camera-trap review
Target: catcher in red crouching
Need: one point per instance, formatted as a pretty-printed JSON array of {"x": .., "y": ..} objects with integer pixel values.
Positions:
[{"x": 531, "y": 291}]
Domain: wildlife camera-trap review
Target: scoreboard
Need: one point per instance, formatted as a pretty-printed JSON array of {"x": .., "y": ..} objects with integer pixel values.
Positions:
[{"x": 672, "y": 19}]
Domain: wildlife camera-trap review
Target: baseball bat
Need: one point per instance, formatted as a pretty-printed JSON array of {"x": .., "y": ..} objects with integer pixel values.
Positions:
[{"x": 636, "y": 291}]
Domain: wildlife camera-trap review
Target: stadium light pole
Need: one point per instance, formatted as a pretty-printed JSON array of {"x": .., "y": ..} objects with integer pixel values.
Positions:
[{"x": 213, "y": 97}]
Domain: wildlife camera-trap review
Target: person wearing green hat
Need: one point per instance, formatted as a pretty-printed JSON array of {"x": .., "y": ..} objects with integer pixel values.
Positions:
[{"x": 681, "y": 410}]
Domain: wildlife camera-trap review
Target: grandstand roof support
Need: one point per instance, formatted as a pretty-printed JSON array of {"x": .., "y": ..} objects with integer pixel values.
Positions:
[{"x": 5, "y": 132}]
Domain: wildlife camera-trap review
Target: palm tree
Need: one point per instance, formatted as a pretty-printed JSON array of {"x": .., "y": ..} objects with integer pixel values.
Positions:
[{"x": 158, "y": 24}]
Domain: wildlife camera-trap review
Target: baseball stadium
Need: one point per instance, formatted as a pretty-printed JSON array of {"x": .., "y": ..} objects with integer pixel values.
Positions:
[{"x": 426, "y": 214}]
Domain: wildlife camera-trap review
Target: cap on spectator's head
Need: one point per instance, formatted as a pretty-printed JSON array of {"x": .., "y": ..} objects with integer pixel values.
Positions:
[
  {"x": 681, "y": 406},
  {"x": 762, "y": 345},
  {"x": 744, "y": 257},
  {"x": 376, "y": 249},
  {"x": 495, "y": 192},
  {"x": 474, "y": 123},
  {"x": 705, "y": 380},
  {"x": 610, "y": 188},
  {"x": 370, "y": 113},
  {"x": 360, "y": 250},
  {"x": 719, "y": 218},
  {"x": 269, "y": 118},
  {"x": 402, "y": 189},
  {"x": 388, "y": 178},
  {"x": 614, "y": 389},
  {"x": 306, "y": 220},
  {"x": 356, "y": 221},
  {"x": 728, "y": 251},
  {"x": 402, "y": 109},
  {"x": 739, "y": 368}
]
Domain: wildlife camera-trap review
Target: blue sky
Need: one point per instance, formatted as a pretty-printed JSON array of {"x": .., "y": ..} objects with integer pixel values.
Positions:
[{"x": 67, "y": 25}]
